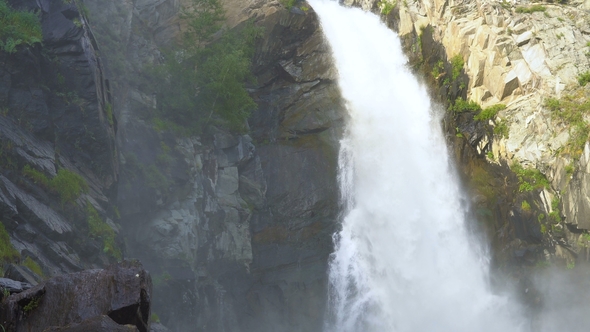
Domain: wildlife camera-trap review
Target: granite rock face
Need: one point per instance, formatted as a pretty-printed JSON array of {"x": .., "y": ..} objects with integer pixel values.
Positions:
[
  {"x": 237, "y": 234},
  {"x": 520, "y": 59},
  {"x": 57, "y": 115}
]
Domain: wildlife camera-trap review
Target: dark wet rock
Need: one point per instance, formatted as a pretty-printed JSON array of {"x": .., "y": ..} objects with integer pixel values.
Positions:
[
  {"x": 121, "y": 291},
  {"x": 21, "y": 273},
  {"x": 13, "y": 286},
  {"x": 37, "y": 213}
]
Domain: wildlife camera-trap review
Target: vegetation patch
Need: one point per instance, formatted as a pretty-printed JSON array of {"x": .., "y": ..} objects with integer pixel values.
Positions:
[
  {"x": 530, "y": 9},
  {"x": 555, "y": 214},
  {"x": 99, "y": 229},
  {"x": 7, "y": 251},
  {"x": 461, "y": 105},
  {"x": 571, "y": 111},
  {"x": 18, "y": 28},
  {"x": 33, "y": 266},
  {"x": 67, "y": 184},
  {"x": 387, "y": 6},
  {"x": 501, "y": 129},
  {"x": 32, "y": 305},
  {"x": 584, "y": 78},
  {"x": 489, "y": 112},
  {"x": 529, "y": 179},
  {"x": 457, "y": 64},
  {"x": 204, "y": 80}
]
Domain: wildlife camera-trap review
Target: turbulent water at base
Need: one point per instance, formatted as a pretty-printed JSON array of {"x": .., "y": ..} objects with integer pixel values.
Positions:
[{"x": 404, "y": 260}]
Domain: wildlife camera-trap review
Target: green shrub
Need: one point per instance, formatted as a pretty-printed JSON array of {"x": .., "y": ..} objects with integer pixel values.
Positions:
[
  {"x": 530, "y": 9},
  {"x": 501, "y": 129},
  {"x": 7, "y": 251},
  {"x": 17, "y": 28},
  {"x": 37, "y": 177},
  {"x": 584, "y": 78},
  {"x": 154, "y": 318},
  {"x": 457, "y": 64},
  {"x": 489, "y": 112},
  {"x": 33, "y": 266},
  {"x": 204, "y": 80},
  {"x": 525, "y": 206},
  {"x": 461, "y": 105},
  {"x": 99, "y": 229},
  {"x": 288, "y": 3},
  {"x": 529, "y": 179},
  {"x": 387, "y": 6},
  {"x": 68, "y": 185},
  {"x": 572, "y": 112}
]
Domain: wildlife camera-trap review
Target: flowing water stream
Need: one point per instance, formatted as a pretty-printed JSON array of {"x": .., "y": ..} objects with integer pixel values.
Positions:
[{"x": 404, "y": 260}]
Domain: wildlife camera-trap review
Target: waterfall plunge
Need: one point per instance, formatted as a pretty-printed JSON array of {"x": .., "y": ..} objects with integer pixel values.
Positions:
[{"x": 403, "y": 261}]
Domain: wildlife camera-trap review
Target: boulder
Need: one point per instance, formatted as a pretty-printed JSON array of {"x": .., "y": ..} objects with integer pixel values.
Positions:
[{"x": 80, "y": 301}]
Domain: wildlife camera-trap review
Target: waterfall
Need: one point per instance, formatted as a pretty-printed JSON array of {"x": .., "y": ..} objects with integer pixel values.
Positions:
[{"x": 404, "y": 260}]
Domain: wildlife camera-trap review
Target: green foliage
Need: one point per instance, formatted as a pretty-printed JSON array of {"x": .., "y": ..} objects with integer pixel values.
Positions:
[
  {"x": 542, "y": 264},
  {"x": 204, "y": 79},
  {"x": 288, "y": 3},
  {"x": 461, "y": 105},
  {"x": 489, "y": 112},
  {"x": 584, "y": 78},
  {"x": 571, "y": 265},
  {"x": 530, "y": 9},
  {"x": 68, "y": 185},
  {"x": 32, "y": 305},
  {"x": 555, "y": 214},
  {"x": 109, "y": 111},
  {"x": 18, "y": 28},
  {"x": 154, "y": 318},
  {"x": 457, "y": 64},
  {"x": 438, "y": 69},
  {"x": 387, "y": 6},
  {"x": 37, "y": 177},
  {"x": 7, "y": 251},
  {"x": 501, "y": 129},
  {"x": 33, "y": 266},
  {"x": 529, "y": 179},
  {"x": 572, "y": 111},
  {"x": 101, "y": 230},
  {"x": 525, "y": 206}
]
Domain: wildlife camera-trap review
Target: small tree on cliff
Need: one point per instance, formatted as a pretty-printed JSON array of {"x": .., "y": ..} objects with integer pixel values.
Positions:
[{"x": 204, "y": 79}]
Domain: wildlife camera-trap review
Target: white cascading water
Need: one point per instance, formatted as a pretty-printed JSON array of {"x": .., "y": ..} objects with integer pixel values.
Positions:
[{"x": 404, "y": 261}]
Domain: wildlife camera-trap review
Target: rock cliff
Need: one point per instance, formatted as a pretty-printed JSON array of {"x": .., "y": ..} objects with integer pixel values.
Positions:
[
  {"x": 57, "y": 136},
  {"x": 529, "y": 61},
  {"x": 236, "y": 226}
]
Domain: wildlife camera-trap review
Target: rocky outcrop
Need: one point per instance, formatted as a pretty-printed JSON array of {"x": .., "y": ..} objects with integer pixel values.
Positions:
[
  {"x": 57, "y": 115},
  {"x": 114, "y": 299},
  {"x": 521, "y": 56},
  {"x": 237, "y": 226}
]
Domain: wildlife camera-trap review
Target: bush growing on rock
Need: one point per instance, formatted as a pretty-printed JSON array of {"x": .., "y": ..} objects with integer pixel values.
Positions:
[
  {"x": 489, "y": 112},
  {"x": 17, "y": 28},
  {"x": 67, "y": 184},
  {"x": 461, "y": 105}
]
